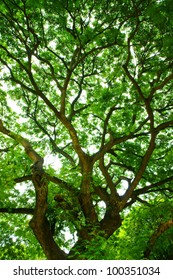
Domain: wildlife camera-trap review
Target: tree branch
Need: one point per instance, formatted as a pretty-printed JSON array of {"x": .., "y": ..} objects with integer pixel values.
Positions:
[
  {"x": 160, "y": 230},
  {"x": 23, "y": 179},
  {"x": 162, "y": 84},
  {"x": 62, "y": 183},
  {"x": 5, "y": 150},
  {"x": 109, "y": 181},
  {"x": 141, "y": 170},
  {"x": 114, "y": 141},
  {"x": 152, "y": 186},
  {"x": 55, "y": 147},
  {"x": 32, "y": 154},
  {"x": 162, "y": 126},
  {"x": 27, "y": 211}
]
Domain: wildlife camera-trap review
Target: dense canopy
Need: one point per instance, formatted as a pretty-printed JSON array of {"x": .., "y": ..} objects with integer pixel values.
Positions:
[{"x": 86, "y": 124}]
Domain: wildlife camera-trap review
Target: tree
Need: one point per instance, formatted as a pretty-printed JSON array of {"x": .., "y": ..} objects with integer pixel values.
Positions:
[{"x": 92, "y": 86}]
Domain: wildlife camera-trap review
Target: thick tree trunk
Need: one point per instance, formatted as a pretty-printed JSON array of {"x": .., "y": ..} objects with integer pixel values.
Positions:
[
  {"x": 44, "y": 235},
  {"x": 110, "y": 223},
  {"x": 39, "y": 222}
]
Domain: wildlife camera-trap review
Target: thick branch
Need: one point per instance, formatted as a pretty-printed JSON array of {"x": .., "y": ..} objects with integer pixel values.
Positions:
[
  {"x": 55, "y": 147},
  {"x": 76, "y": 144},
  {"x": 85, "y": 198},
  {"x": 32, "y": 154},
  {"x": 27, "y": 211},
  {"x": 111, "y": 110},
  {"x": 162, "y": 126},
  {"x": 109, "y": 181},
  {"x": 114, "y": 141},
  {"x": 73, "y": 64},
  {"x": 163, "y": 83},
  {"x": 5, "y": 150},
  {"x": 23, "y": 179},
  {"x": 60, "y": 182},
  {"x": 152, "y": 186},
  {"x": 141, "y": 170},
  {"x": 160, "y": 230}
]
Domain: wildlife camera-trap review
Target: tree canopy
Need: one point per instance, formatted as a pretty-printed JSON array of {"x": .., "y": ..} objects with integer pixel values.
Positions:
[{"x": 86, "y": 124}]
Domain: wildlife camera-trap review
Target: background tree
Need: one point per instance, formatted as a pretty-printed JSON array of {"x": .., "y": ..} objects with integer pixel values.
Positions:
[{"x": 92, "y": 81}]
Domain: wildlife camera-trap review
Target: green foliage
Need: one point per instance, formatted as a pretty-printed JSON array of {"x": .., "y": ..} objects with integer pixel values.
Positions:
[
  {"x": 94, "y": 250},
  {"x": 17, "y": 240},
  {"x": 132, "y": 239},
  {"x": 89, "y": 85}
]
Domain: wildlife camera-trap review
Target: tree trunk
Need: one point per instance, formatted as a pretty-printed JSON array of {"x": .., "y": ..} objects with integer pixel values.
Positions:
[{"x": 39, "y": 222}]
